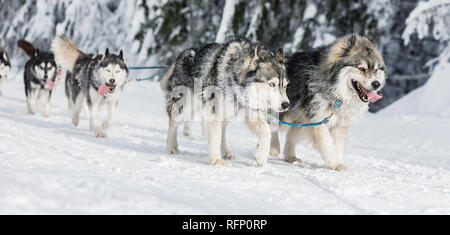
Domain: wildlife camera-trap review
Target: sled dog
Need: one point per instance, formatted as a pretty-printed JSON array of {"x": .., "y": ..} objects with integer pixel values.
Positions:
[
  {"x": 226, "y": 79},
  {"x": 339, "y": 80},
  {"x": 39, "y": 78},
  {"x": 92, "y": 80},
  {"x": 5, "y": 66}
]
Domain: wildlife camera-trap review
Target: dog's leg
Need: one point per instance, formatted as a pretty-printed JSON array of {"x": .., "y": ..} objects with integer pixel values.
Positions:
[
  {"x": 215, "y": 129},
  {"x": 2, "y": 81},
  {"x": 40, "y": 100},
  {"x": 187, "y": 128},
  {"x": 79, "y": 104},
  {"x": 292, "y": 138},
  {"x": 323, "y": 142},
  {"x": 340, "y": 136},
  {"x": 262, "y": 129},
  {"x": 172, "y": 142},
  {"x": 111, "y": 111},
  {"x": 95, "y": 124},
  {"x": 31, "y": 101},
  {"x": 226, "y": 153},
  {"x": 48, "y": 103},
  {"x": 205, "y": 129},
  {"x": 275, "y": 145},
  {"x": 70, "y": 105}
]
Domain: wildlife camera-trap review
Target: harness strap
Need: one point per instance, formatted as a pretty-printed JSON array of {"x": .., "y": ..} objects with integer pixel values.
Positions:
[
  {"x": 337, "y": 105},
  {"x": 325, "y": 121}
]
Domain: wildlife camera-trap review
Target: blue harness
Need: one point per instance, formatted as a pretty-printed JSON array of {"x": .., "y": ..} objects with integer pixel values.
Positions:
[{"x": 337, "y": 105}]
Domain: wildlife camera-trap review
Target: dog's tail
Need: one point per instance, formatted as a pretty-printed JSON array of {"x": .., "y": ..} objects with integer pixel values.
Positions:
[
  {"x": 27, "y": 47},
  {"x": 66, "y": 52},
  {"x": 166, "y": 76}
]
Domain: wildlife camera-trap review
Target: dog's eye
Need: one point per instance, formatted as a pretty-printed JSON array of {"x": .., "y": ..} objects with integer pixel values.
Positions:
[
  {"x": 272, "y": 84},
  {"x": 118, "y": 71},
  {"x": 108, "y": 71},
  {"x": 362, "y": 70}
]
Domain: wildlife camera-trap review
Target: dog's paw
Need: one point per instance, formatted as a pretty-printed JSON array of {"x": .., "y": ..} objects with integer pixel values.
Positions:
[
  {"x": 75, "y": 121},
  {"x": 174, "y": 151},
  {"x": 106, "y": 125},
  {"x": 187, "y": 132},
  {"x": 100, "y": 135},
  {"x": 229, "y": 156},
  {"x": 219, "y": 162},
  {"x": 275, "y": 153},
  {"x": 261, "y": 161},
  {"x": 292, "y": 159},
  {"x": 341, "y": 168}
]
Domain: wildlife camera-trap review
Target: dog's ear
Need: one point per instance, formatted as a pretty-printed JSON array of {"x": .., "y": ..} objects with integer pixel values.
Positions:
[
  {"x": 121, "y": 55},
  {"x": 280, "y": 55},
  {"x": 258, "y": 53},
  {"x": 5, "y": 57},
  {"x": 349, "y": 45},
  {"x": 106, "y": 54},
  {"x": 37, "y": 53}
]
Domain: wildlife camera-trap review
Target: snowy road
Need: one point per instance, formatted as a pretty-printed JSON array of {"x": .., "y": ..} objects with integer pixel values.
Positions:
[{"x": 399, "y": 165}]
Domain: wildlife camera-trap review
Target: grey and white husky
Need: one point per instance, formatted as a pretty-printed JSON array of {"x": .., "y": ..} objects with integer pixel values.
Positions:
[
  {"x": 92, "y": 80},
  {"x": 39, "y": 77},
  {"x": 339, "y": 80},
  {"x": 226, "y": 79},
  {"x": 5, "y": 66}
]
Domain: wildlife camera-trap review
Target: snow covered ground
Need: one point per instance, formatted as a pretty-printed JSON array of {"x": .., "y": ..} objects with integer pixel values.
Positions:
[{"x": 400, "y": 164}]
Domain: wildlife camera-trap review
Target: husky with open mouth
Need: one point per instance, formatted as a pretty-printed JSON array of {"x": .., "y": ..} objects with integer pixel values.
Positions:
[
  {"x": 230, "y": 78},
  {"x": 39, "y": 77},
  {"x": 5, "y": 66},
  {"x": 338, "y": 80},
  {"x": 92, "y": 80}
]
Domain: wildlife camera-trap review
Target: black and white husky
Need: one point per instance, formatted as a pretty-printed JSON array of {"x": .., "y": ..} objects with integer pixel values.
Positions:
[
  {"x": 39, "y": 78},
  {"x": 226, "y": 79},
  {"x": 338, "y": 80},
  {"x": 5, "y": 66},
  {"x": 92, "y": 80}
]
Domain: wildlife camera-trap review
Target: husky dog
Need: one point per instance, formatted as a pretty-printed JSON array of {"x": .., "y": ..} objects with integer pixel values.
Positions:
[
  {"x": 338, "y": 80},
  {"x": 5, "y": 66},
  {"x": 226, "y": 79},
  {"x": 39, "y": 77},
  {"x": 92, "y": 80}
]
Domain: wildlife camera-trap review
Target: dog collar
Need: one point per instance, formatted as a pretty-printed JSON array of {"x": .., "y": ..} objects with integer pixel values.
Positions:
[{"x": 338, "y": 104}]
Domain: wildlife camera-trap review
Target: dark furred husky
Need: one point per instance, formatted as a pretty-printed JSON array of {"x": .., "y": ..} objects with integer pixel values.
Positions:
[
  {"x": 93, "y": 80},
  {"x": 39, "y": 77},
  {"x": 228, "y": 78},
  {"x": 5, "y": 66},
  {"x": 340, "y": 79}
]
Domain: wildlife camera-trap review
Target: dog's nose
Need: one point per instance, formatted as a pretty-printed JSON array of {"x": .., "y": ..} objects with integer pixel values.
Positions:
[
  {"x": 376, "y": 85},
  {"x": 285, "y": 106},
  {"x": 112, "y": 81},
  {"x": 45, "y": 77}
]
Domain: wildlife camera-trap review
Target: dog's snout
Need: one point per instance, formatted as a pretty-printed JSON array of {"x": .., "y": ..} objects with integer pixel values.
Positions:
[
  {"x": 45, "y": 76},
  {"x": 376, "y": 85},
  {"x": 285, "y": 106},
  {"x": 112, "y": 81}
]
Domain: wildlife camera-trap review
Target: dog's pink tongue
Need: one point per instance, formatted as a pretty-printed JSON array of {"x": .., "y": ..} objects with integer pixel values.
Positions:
[
  {"x": 50, "y": 83},
  {"x": 374, "y": 96},
  {"x": 103, "y": 89}
]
